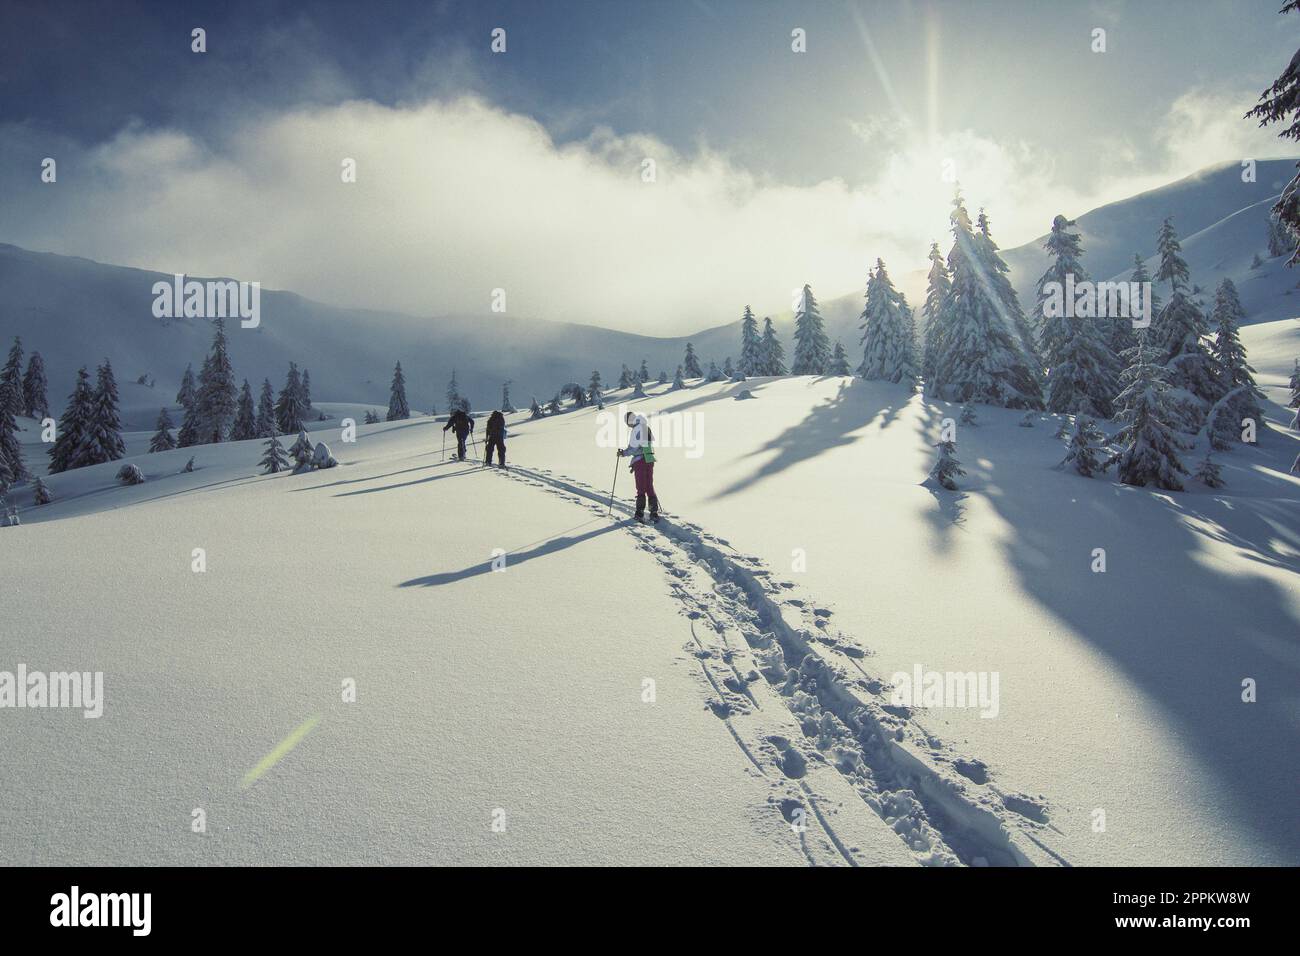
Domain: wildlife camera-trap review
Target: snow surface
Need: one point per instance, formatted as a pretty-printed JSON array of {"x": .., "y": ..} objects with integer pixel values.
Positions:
[{"x": 522, "y": 690}]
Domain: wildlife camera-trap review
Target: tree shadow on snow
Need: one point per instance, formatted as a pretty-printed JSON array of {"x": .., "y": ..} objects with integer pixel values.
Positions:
[
  {"x": 406, "y": 484},
  {"x": 1181, "y": 626},
  {"x": 513, "y": 558},
  {"x": 829, "y": 425}
]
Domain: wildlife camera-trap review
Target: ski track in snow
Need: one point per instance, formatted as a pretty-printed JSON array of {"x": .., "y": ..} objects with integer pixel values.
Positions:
[{"x": 813, "y": 721}]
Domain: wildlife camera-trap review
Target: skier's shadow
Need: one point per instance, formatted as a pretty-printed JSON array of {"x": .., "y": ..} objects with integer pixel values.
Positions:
[{"x": 512, "y": 558}]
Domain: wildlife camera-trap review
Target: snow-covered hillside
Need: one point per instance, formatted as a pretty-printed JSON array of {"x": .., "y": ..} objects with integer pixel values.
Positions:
[{"x": 801, "y": 565}]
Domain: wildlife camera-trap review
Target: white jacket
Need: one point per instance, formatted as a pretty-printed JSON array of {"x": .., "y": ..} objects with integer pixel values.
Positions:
[{"x": 640, "y": 439}]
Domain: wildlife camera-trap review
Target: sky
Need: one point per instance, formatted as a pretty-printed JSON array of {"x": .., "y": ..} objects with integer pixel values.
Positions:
[{"x": 651, "y": 166}]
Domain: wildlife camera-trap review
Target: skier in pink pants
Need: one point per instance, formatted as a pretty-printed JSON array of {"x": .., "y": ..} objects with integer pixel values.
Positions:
[{"x": 643, "y": 464}]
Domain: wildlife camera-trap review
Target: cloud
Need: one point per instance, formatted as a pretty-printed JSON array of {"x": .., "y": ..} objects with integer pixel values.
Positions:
[{"x": 456, "y": 198}]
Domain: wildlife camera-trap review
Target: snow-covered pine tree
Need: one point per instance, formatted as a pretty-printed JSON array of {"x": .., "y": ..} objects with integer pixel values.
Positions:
[
  {"x": 714, "y": 373},
  {"x": 938, "y": 289},
  {"x": 1208, "y": 473},
  {"x": 507, "y": 406},
  {"x": 751, "y": 346},
  {"x": 162, "y": 439},
  {"x": 663, "y": 377},
  {"x": 245, "y": 425},
  {"x": 11, "y": 380},
  {"x": 812, "y": 348},
  {"x": 265, "y": 420},
  {"x": 274, "y": 459},
  {"x": 35, "y": 402},
  {"x": 1280, "y": 103},
  {"x": 535, "y": 410},
  {"x": 398, "y": 409},
  {"x": 692, "y": 364},
  {"x": 678, "y": 383},
  {"x": 593, "y": 388},
  {"x": 103, "y": 436},
  {"x": 1180, "y": 327},
  {"x": 306, "y": 390},
  {"x": 947, "y": 469},
  {"x": 643, "y": 375},
  {"x": 130, "y": 474},
  {"x": 188, "y": 391},
  {"x": 889, "y": 352},
  {"x": 772, "y": 352},
  {"x": 1148, "y": 443},
  {"x": 288, "y": 404},
  {"x": 1086, "y": 452},
  {"x": 217, "y": 396},
  {"x": 727, "y": 371},
  {"x": 979, "y": 358},
  {"x": 1123, "y": 337},
  {"x": 1054, "y": 324},
  {"x": 1294, "y": 384},
  {"x": 455, "y": 400},
  {"x": 1280, "y": 240},
  {"x": 41, "y": 492},
  {"x": 71, "y": 432},
  {"x": 638, "y": 389},
  {"x": 996, "y": 270},
  {"x": 840, "y": 360},
  {"x": 553, "y": 407},
  {"x": 626, "y": 378},
  {"x": 1231, "y": 356},
  {"x": 302, "y": 451},
  {"x": 968, "y": 414},
  {"x": 11, "y": 452}
]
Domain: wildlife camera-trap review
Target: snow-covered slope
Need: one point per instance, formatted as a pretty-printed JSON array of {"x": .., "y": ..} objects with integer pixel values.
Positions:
[{"x": 801, "y": 565}]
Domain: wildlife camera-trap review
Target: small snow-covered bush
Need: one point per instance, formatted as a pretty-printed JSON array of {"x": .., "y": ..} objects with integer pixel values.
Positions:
[
  {"x": 968, "y": 414},
  {"x": 130, "y": 474},
  {"x": 43, "y": 496},
  {"x": 947, "y": 469},
  {"x": 744, "y": 393},
  {"x": 321, "y": 457}
]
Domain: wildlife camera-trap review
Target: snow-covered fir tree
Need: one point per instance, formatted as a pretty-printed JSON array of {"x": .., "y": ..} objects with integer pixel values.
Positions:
[
  {"x": 289, "y": 411},
  {"x": 1180, "y": 328},
  {"x": 947, "y": 469},
  {"x": 1280, "y": 103},
  {"x": 663, "y": 377},
  {"x": 71, "y": 431},
  {"x": 751, "y": 346},
  {"x": 626, "y": 378},
  {"x": 997, "y": 272},
  {"x": 245, "y": 425},
  {"x": 302, "y": 451},
  {"x": 266, "y": 410},
  {"x": 217, "y": 396},
  {"x": 41, "y": 492},
  {"x": 643, "y": 375},
  {"x": 11, "y": 379},
  {"x": 1280, "y": 240},
  {"x": 727, "y": 371},
  {"x": 638, "y": 388},
  {"x": 594, "y": 388},
  {"x": 1064, "y": 252},
  {"x": 103, "y": 435},
  {"x": 162, "y": 439},
  {"x": 714, "y": 374},
  {"x": 535, "y": 410},
  {"x": 812, "y": 348},
  {"x": 273, "y": 458},
  {"x": 1294, "y": 385},
  {"x": 306, "y": 390},
  {"x": 678, "y": 383},
  {"x": 889, "y": 349},
  {"x": 773, "y": 354},
  {"x": 979, "y": 358},
  {"x": 840, "y": 360},
  {"x": 1148, "y": 444},
  {"x": 11, "y": 453},
  {"x": 968, "y": 416},
  {"x": 398, "y": 409},
  {"x": 1086, "y": 453},
  {"x": 553, "y": 406},
  {"x": 188, "y": 391},
  {"x": 1123, "y": 337},
  {"x": 937, "y": 291},
  {"x": 692, "y": 364},
  {"x": 507, "y": 406},
  {"x": 35, "y": 402},
  {"x": 1235, "y": 371},
  {"x": 455, "y": 400},
  {"x": 1208, "y": 473}
]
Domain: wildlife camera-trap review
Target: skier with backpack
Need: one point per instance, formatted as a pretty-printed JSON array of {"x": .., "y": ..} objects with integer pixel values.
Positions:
[
  {"x": 496, "y": 438},
  {"x": 641, "y": 452},
  {"x": 462, "y": 425}
]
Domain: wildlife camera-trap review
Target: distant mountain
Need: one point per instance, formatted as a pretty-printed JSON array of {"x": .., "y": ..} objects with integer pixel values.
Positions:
[{"x": 75, "y": 312}]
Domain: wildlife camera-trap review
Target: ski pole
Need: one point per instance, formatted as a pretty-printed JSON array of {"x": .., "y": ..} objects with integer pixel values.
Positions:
[
  {"x": 617, "y": 457},
  {"x": 444, "y": 444}
]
